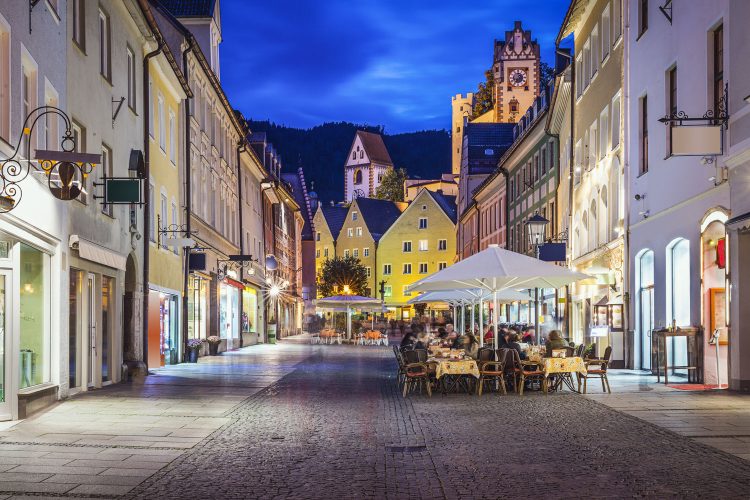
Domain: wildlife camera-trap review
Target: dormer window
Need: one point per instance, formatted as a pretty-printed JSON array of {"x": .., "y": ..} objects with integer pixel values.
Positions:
[{"x": 489, "y": 152}]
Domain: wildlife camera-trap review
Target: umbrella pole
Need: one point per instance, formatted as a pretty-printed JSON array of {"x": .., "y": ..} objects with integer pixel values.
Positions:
[
  {"x": 471, "y": 326},
  {"x": 481, "y": 325},
  {"x": 348, "y": 323},
  {"x": 494, "y": 309}
]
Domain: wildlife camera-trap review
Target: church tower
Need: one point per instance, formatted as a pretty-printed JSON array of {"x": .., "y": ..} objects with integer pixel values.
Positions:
[
  {"x": 461, "y": 109},
  {"x": 366, "y": 163},
  {"x": 516, "y": 68}
]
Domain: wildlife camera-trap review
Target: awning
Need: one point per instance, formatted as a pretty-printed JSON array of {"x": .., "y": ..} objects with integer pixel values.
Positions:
[
  {"x": 89, "y": 250},
  {"x": 234, "y": 283}
]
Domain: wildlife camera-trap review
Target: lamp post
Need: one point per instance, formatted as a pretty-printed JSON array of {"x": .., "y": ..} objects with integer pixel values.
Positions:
[{"x": 536, "y": 226}]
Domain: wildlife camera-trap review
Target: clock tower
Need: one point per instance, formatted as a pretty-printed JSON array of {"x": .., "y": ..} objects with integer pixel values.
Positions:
[{"x": 516, "y": 69}]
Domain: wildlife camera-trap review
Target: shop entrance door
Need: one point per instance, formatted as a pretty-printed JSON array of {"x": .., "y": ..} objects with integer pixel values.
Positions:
[
  {"x": 646, "y": 326},
  {"x": 91, "y": 316},
  {"x": 5, "y": 346}
]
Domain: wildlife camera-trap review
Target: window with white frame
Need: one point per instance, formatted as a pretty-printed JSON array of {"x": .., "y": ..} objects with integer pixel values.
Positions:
[
  {"x": 172, "y": 138},
  {"x": 442, "y": 244},
  {"x": 349, "y": 232},
  {"x": 606, "y": 27},
  {"x": 359, "y": 231},
  {"x": 369, "y": 271},
  {"x": 615, "y": 124},
  {"x": 586, "y": 64},
  {"x": 386, "y": 269},
  {"x": 423, "y": 268},
  {"x": 105, "y": 50},
  {"x": 162, "y": 123},
  {"x": 579, "y": 75},
  {"x": 406, "y": 246},
  {"x": 151, "y": 213},
  {"x": 79, "y": 146},
  {"x": 131, "y": 78},
  {"x": 151, "y": 117},
  {"x": 176, "y": 222},
  {"x": 354, "y": 215},
  {"x": 325, "y": 252},
  {"x": 442, "y": 265},
  {"x": 603, "y": 132},
  {"x": 346, "y": 253},
  {"x": 317, "y": 236},
  {"x": 595, "y": 47},
  {"x": 51, "y": 122},
  {"x": 4, "y": 79},
  {"x": 163, "y": 219},
  {"x": 423, "y": 246},
  {"x": 407, "y": 292},
  {"x": 29, "y": 100},
  {"x": 388, "y": 291},
  {"x": 407, "y": 268},
  {"x": 423, "y": 223},
  {"x": 356, "y": 253},
  {"x": 616, "y": 20},
  {"x": 593, "y": 146},
  {"x": 79, "y": 23},
  {"x": 317, "y": 253},
  {"x": 366, "y": 252},
  {"x": 678, "y": 282}
]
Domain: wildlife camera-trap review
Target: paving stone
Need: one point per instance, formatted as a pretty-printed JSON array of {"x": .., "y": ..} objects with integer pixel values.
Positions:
[
  {"x": 94, "y": 479},
  {"x": 98, "y": 489}
]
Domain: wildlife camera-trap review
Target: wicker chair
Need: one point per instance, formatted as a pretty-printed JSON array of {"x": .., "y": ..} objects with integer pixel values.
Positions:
[
  {"x": 417, "y": 375},
  {"x": 528, "y": 374},
  {"x": 490, "y": 371},
  {"x": 511, "y": 365},
  {"x": 597, "y": 368},
  {"x": 401, "y": 365}
]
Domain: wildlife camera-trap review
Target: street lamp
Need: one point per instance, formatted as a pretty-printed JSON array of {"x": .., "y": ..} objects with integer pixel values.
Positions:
[
  {"x": 537, "y": 226},
  {"x": 347, "y": 290}
]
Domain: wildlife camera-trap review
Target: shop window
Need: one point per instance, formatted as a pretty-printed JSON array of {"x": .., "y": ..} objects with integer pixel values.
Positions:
[
  {"x": 678, "y": 282},
  {"x": 34, "y": 317}
]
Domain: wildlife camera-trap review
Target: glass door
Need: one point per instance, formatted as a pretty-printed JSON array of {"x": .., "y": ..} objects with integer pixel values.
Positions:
[
  {"x": 5, "y": 338},
  {"x": 647, "y": 326},
  {"x": 91, "y": 315}
]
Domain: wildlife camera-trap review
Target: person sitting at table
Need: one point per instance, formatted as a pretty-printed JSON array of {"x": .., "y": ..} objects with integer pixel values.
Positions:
[
  {"x": 458, "y": 342},
  {"x": 489, "y": 334},
  {"x": 409, "y": 340},
  {"x": 513, "y": 344},
  {"x": 442, "y": 333},
  {"x": 470, "y": 345},
  {"x": 529, "y": 335},
  {"x": 502, "y": 340},
  {"x": 554, "y": 341},
  {"x": 451, "y": 331},
  {"x": 423, "y": 340}
]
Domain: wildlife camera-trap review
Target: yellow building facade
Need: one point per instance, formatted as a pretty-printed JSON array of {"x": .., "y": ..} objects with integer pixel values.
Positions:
[
  {"x": 327, "y": 222},
  {"x": 420, "y": 242},
  {"x": 167, "y": 90}
]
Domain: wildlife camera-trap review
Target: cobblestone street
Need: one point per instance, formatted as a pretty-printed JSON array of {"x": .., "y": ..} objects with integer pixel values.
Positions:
[{"x": 299, "y": 421}]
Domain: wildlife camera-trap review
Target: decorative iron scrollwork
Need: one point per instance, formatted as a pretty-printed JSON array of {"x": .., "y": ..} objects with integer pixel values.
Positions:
[
  {"x": 66, "y": 170},
  {"x": 718, "y": 116}
]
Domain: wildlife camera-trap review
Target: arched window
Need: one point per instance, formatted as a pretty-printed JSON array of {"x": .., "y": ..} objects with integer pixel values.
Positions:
[
  {"x": 358, "y": 176},
  {"x": 362, "y": 154},
  {"x": 593, "y": 236},
  {"x": 678, "y": 282},
  {"x": 604, "y": 233},
  {"x": 616, "y": 210},
  {"x": 354, "y": 155},
  {"x": 644, "y": 276}
]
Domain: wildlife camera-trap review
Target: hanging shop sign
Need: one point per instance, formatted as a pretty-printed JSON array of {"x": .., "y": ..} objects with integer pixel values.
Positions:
[
  {"x": 699, "y": 136},
  {"x": 197, "y": 261}
]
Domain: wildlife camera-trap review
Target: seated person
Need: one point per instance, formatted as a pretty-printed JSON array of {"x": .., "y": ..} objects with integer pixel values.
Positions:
[
  {"x": 409, "y": 340},
  {"x": 442, "y": 333},
  {"x": 513, "y": 344},
  {"x": 529, "y": 335},
  {"x": 554, "y": 341},
  {"x": 423, "y": 340},
  {"x": 470, "y": 345},
  {"x": 458, "y": 342},
  {"x": 489, "y": 334}
]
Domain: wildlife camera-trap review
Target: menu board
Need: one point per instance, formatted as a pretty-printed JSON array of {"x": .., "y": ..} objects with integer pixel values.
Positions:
[{"x": 719, "y": 314}]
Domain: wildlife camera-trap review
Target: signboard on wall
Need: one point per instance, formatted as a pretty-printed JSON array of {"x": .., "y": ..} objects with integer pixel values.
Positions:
[
  {"x": 697, "y": 140},
  {"x": 552, "y": 252}
]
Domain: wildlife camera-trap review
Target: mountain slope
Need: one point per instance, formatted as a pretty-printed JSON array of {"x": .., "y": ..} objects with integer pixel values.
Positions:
[{"x": 322, "y": 150}]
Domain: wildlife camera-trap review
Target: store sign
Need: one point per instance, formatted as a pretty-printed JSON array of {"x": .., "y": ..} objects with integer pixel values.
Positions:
[
  {"x": 122, "y": 190},
  {"x": 697, "y": 140},
  {"x": 197, "y": 261},
  {"x": 552, "y": 252},
  {"x": 599, "y": 331}
]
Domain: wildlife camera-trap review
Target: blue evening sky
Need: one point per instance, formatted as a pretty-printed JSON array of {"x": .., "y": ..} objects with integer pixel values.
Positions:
[{"x": 381, "y": 62}]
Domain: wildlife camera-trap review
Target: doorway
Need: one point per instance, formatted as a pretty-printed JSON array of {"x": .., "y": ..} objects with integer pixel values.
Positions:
[
  {"x": 5, "y": 339},
  {"x": 90, "y": 305},
  {"x": 645, "y": 304}
]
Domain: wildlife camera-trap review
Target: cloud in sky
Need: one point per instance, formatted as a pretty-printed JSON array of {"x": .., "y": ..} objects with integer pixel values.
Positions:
[{"x": 390, "y": 62}]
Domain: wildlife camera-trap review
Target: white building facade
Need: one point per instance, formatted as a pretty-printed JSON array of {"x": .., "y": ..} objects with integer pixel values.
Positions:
[{"x": 678, "y": 205}]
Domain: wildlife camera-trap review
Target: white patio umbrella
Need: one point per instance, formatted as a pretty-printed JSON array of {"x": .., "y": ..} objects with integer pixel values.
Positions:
[
  {"x": 495, "y": 269},
  {"x": 347, "y": 301}
]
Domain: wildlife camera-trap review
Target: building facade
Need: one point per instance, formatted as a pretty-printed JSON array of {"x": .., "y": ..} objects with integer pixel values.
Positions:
[
  {"x": 597, "y": 231},
  {"x": 365, "y": 166}
]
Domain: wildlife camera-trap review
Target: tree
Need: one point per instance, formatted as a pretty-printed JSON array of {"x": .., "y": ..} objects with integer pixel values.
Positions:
[
  {"x": 546, "y": 74},
  {"x": 484, "y": 98},
  {"x": 392, "y": 185},
  {"x": 339, "y": 272}
]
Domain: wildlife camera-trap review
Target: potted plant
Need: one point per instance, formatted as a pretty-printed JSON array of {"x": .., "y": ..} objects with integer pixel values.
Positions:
[
  {"x": 213, "y": 345},
  {"x": 193, "y": 346}
]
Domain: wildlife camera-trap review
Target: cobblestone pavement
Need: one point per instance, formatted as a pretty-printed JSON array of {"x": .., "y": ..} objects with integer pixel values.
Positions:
[{"x": 336, "y": 427}]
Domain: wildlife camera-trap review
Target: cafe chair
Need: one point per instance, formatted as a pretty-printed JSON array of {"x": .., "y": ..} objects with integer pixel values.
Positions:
[
  {"x": 597, "y": 368},
  {"x": 579, "y": 350},
  {"x": 401, "y": 374},
  {"x": 528, "y": 372},
  {"x": 491, "y": 371},
  {"x": 417, "y": 375}
]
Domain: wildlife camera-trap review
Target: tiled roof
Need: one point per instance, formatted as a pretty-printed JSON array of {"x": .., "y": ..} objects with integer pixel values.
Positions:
[
  {"x": 298, "y": 194},
  {"x": 379, "y": 215},
  {"x": 375, "y": 147},
  {"x": 447, "y": 203},
  {"x": 190, "y": 8},
  {"x": 335, "y": 217},
  {"x": 486, "y": 144}
]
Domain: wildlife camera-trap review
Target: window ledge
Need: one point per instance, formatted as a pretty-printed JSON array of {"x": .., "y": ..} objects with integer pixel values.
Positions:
[{"x": 37, "y": 389}]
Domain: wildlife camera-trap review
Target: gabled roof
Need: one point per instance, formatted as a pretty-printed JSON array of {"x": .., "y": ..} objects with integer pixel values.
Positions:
[
  {"x": 374, "y": 147},
  {"x": 190, "y": 8},
  {"x": 446, "y": 202},
  {"x": 335, "y": 217},
  {"x": 379, "y": 215}
]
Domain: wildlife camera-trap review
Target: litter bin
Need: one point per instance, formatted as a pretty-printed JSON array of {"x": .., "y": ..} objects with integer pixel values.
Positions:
[
  {"x": 271, "y": 331},
  {"x": 27, "y": 361}
]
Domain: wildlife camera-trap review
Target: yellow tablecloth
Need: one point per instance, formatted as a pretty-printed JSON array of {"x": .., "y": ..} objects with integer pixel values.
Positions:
[
  {"x": 564, "y": 365},
  {"x": 372, "y": 335},
  {"x": 448, "y": 367},
  {"x": 327, "y": 333}
]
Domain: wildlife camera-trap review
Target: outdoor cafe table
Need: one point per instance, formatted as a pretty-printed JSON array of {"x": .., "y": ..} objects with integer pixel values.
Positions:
[
  {"x": 372, "y": 335},
  {"x": 565, "y": 367},
  {"x": 451, "y": 373}
]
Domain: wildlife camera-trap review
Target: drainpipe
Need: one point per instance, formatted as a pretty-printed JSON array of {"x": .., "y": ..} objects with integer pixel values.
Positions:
[
  {"x": 240, "y": 149},
  {"x": 147, "y": 194},
  {"x": 188, "y": 208}
]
